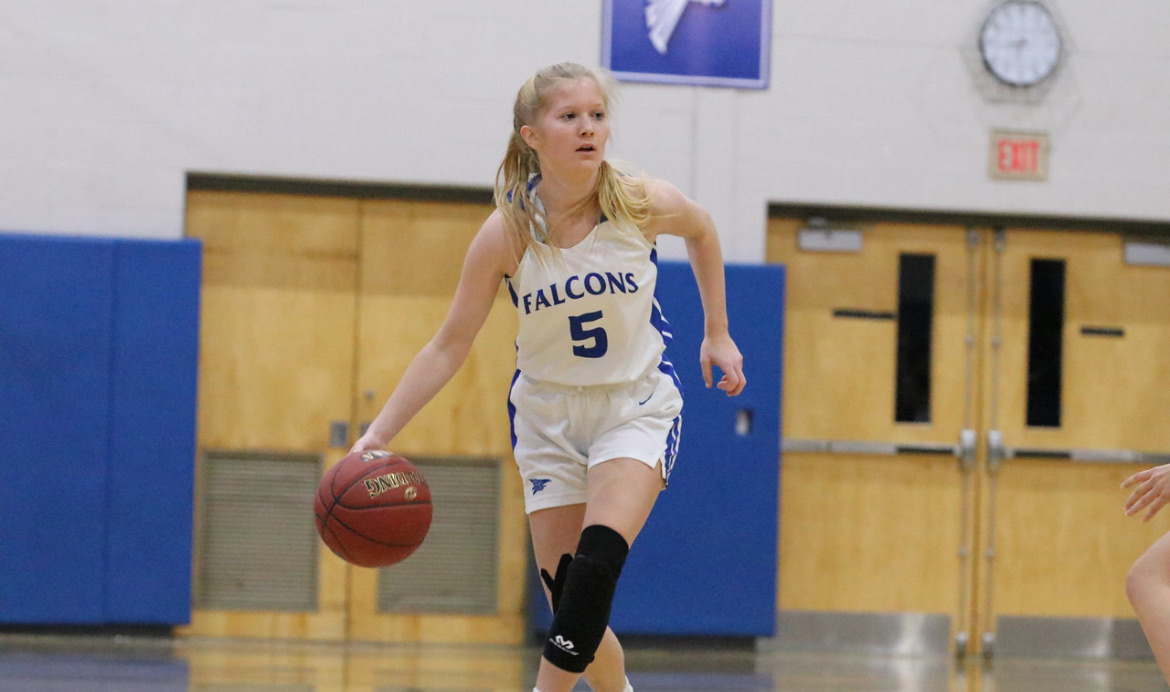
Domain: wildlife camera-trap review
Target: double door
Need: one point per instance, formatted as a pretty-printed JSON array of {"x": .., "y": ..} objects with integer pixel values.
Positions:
[
  {"x": 312, "y": 308},
  {"x": 960, "y": 407}
]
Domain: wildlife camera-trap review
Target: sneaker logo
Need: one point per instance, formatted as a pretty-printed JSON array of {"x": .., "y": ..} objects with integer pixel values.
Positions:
[
  {"x": 563, "y": 644},
  {"x": 539, "y": 484}
]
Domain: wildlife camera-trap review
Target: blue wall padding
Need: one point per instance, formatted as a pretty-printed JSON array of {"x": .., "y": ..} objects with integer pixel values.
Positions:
[
  {"x": 705, "y": 564},
  {"x": 88, "y": 363},
  {"x": 55, "y": 332},
  {"x": 152, "y": 442}
]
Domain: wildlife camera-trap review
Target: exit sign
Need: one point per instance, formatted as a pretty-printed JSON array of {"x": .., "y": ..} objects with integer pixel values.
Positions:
[{"x": 1018, "y": 155}]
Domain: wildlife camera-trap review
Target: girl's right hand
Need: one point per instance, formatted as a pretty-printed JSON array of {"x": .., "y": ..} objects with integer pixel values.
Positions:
[{"x": 367, "y": 443}]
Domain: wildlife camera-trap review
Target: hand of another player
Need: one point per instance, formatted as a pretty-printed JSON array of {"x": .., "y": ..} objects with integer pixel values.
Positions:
[
  {"x": 1151, "y": 491},
  {"x": 721, "y": 352}
]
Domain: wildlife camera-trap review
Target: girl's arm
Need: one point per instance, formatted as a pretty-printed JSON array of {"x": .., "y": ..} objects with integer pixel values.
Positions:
[
  {"x": 672, "y": 213},
  {"x": 483, "y": 269}
]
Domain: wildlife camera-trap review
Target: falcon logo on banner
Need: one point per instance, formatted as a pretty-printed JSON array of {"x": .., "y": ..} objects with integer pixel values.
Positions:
[
  {"x": 662, "y": 17},
  {"x": 702, "y": 42}
]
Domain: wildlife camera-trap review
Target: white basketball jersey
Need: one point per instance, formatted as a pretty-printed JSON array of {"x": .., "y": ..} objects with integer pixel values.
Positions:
[{"x": 589, "y": 316}]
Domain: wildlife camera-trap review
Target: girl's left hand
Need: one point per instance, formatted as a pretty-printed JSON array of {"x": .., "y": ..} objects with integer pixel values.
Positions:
[
  {"x": 1152, "y": 490},
  {"x": 721, "y": 352}
]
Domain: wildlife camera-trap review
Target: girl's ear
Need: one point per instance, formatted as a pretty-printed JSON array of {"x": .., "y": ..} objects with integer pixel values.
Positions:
[{"x": 529, "y": 136}]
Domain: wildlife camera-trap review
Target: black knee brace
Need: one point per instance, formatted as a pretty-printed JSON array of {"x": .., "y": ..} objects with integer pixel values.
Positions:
[{"x": 585, "y": 601}]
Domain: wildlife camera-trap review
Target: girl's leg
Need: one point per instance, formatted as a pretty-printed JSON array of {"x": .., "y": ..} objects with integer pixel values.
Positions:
[
  {"x": 1148, "y": 588},
  {"x": 555, "y": 532},
  {"x": 620, "y": 496}
]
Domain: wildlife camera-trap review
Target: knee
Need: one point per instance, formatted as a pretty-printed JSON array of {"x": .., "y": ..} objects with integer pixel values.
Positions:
[
  {"x": 1134, "y": 584},
  {"x": 603, "y": 547},
  {"x": 1145, "y": 575},
  {"x": 582, "y": 614}
]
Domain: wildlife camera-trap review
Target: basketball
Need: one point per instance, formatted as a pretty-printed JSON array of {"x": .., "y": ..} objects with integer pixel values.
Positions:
[{"x": 373, "y": 508}]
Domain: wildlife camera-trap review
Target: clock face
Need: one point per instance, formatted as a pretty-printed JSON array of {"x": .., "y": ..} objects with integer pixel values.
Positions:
[{"x": 1020, "y": 43}]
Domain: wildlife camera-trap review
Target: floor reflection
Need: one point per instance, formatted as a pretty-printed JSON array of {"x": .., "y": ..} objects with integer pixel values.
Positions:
[{"x": 130, "y": 664}]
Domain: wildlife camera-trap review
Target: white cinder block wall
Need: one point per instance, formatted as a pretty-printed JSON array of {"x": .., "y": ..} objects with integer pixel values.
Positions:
[{"x": 105, "y": 105}]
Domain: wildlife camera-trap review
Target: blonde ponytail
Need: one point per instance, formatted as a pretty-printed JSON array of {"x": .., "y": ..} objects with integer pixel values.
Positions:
[
  {"x": 523, "y": 217},
  {"x": 622, "y": 195}
]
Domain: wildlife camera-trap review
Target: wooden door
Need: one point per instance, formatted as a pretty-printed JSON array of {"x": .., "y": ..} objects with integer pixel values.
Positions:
[
  {"x": 412, "y": 254},
  {"x": 871, "y": 506},
  {"x": 276, "y": 361},
  {"x": 1079, "y": 401}
]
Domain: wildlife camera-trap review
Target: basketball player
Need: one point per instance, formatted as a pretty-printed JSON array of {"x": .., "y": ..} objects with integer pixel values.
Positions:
[
  {"x": 595, "y": 406},
  {"x": 1148, "y": 581}
]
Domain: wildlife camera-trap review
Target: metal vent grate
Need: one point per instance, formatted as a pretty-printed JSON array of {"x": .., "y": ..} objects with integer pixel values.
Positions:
[
  {"x": 257, "y": 543},
  {"x": 455, "y": 569}
]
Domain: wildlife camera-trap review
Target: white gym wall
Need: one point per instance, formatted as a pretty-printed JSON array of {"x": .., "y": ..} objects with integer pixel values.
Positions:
[{"x": 108, "y": 104}]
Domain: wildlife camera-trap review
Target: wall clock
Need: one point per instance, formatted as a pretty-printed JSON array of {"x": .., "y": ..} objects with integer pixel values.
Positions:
[{"x": 1020, "y": 43}]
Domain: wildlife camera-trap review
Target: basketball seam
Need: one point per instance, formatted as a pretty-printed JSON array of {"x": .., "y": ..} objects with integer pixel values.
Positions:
[
  {"x": 359, "y": 508},
  {"x": 337, "y": 539},
  {"x": 324, "y": 523},
  {"x": 372, "y": 540}
]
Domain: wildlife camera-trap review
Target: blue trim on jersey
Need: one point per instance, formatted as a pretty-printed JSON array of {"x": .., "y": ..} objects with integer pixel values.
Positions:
[
  {"x": 532, "y": 181},
  {"x": 657, "y": 319},
  {"x": 512, "y": 292},
  {"x": 659, "y": 322},
  {"x": 512, "y": 410},
  {"x": 671, "y": 452},
  {"x": 672, "y": 438}
]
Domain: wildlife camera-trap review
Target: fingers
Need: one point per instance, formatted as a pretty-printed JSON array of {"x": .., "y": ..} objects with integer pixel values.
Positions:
[
  {"x": 1138, "y": 499},
  {"x": 1154, "y": 502},
  {"x": 733, "y": 382},
  {"x": 1151, "y": 491},
  {"x": 719, "y": 351},
  {"x": 1136, "y": 478},
  {"x": 365, "y": 445},
  {"x": 1134, "y": 503},
  {"x": 706, "y": 364},
  {"x": 1145, "y": 496}
]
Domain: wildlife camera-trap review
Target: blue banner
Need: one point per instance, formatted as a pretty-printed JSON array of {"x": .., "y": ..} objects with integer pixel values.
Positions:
[{"x": 698, "y": 42}]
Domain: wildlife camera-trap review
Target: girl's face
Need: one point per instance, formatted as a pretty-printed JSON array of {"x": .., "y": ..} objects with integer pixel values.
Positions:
[{"x": 570, "y": 134}]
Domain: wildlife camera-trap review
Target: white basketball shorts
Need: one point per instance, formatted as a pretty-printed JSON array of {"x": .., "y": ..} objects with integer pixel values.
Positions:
[{"x": 559, "y": 432}]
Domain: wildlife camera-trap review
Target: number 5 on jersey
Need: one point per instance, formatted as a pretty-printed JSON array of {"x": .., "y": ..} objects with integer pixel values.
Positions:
[{"x": 581, "y": 335}]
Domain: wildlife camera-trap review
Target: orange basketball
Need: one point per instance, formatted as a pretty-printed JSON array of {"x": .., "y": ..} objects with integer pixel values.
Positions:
[{"x": 373, "y": 508}]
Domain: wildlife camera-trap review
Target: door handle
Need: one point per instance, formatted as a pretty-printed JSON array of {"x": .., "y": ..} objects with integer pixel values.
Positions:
[
  {"x": 966, "y": 451},
  {"x": 996, "y": 451}
]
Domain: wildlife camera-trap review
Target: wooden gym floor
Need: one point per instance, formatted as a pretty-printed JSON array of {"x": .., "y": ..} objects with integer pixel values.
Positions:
[{"x": 62, "y": 663}]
